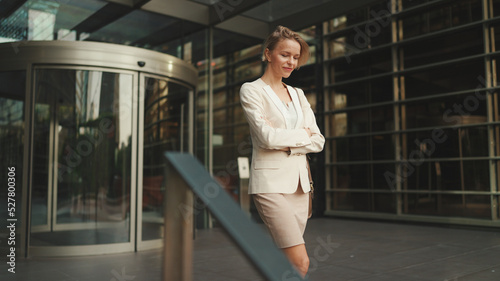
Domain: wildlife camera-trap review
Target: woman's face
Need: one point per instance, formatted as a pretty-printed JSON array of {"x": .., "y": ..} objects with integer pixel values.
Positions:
[{"x": 283, "y": 59}]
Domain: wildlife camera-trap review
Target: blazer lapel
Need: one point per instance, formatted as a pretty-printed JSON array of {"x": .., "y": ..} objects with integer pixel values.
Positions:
[
  {"x": 296, "y": 103},
  {"x": 277, "y": 102}
]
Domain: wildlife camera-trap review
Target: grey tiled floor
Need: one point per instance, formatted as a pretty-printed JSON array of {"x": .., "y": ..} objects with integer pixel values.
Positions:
[{"x": 339, "y": 250}]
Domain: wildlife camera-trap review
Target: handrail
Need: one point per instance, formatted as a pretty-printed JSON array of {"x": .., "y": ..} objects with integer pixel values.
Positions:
[{"x": 186, "y": 176}]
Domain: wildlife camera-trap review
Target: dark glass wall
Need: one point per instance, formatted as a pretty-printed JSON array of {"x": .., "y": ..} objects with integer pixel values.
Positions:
[
  {"x": 410, "y": 110},
  {"x": 12, "y": 122}
]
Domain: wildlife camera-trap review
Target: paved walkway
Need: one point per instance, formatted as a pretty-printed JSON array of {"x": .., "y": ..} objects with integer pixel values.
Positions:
[{"x": 339, "y": 250}]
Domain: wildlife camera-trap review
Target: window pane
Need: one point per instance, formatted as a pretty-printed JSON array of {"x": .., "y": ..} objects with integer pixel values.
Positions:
[
  {"x": 247, "y": 53},
  {"x": 376, "y": 119},
  {"x": 412, "y": 3},
  {"x": 448, "y": 78},
  {"x": 361, "y": 148},
  {"x": 248, "y": 71},
  {"x": 447, "y": 111},
  {"x": 87, "y": 117},
  {"x": 12, "y": 96},
  {"x": 441, "y": 17},
  {"x": 361, "y": 93},
  {"x": 496, "y": 8},
  {"x": 442, "y": 48},
  {"x": 355, "y": 176},
  {"x": 360, "y": 15},
  {"x": 352, "y": 201},
  {"x": 448, "y": 143},
  {"x": 471, "y": 175},
  {"x": 220, "y": 99},
  {"x": 219, "y": 79},
  {"x": 360, "y": 66},
  {"x": 384, "y": 202},
  {"x": 167, "y": 131},
  {"x": 468, "y": 206}
]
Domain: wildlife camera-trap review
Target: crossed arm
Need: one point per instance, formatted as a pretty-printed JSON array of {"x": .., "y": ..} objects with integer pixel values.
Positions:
[{"x": 304, "y": 140}]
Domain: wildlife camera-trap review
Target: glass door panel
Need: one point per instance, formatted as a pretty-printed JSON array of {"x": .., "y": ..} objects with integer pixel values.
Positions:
[
  {"x": 12, "y": 124},
  {"x": 166, "y": 128},
  {"x": 82, "y": 157}
]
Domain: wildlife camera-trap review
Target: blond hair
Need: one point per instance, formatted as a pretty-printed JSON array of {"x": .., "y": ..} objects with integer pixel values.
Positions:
[{"x": 282, "y": 33}]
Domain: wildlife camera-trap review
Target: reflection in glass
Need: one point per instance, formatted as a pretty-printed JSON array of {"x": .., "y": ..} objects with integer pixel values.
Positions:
[
  {"x": 447, "y": 78},
  {"x": 335, "y": 24},
  {"x": 449, "y": 143},
  {"x": 361, "y": 93},
  {"x": 362, "y": 121},
  {"x": 219, "y": 99},
  {"x": 247, "y": 53},
  {"x": 12, "y": 95},
  {"x": 360, "y": 66},
  {"x": 166, "y": 128},
  {"x": 454, "y": 205},
  {"x": 246, "y": 72},
  {"x": 470, "y": 175},
  {"x": 383, "y": 102},
  {"x": 219, "y": 79},
  {"x": 447, "y": 16},
  {"x": 83, "y": 123},
  {"x": 443, "y": 48},
  {"x": 455, "y": 110},
  {"x": 221, "y": 117}
]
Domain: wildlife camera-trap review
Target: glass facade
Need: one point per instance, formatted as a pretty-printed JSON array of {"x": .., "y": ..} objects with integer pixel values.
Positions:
[
  {"x": 411, "y": 110},
  {"x": 230, "y": 137}
]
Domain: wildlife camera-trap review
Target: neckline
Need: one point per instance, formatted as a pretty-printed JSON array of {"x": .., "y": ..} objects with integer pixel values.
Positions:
[
  {"x": 286, "y": 89},
  {"x": 282, "y": 83}
]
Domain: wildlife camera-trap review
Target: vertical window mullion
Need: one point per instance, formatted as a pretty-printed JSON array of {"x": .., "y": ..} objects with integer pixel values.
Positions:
[{"x": 489, "y": 46}]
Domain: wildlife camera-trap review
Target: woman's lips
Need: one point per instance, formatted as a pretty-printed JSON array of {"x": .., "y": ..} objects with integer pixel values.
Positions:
[{"x": 288, "y": 68}]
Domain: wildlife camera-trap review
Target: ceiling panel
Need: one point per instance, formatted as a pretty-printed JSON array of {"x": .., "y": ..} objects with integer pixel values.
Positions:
[
  {"x": 277, "y": 9},
  {"x": 73, "y": 12},
  {"x": 132, "y": 27}
]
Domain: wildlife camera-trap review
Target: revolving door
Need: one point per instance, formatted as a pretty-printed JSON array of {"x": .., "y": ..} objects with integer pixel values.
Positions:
[{"x": 94, "y": 123}]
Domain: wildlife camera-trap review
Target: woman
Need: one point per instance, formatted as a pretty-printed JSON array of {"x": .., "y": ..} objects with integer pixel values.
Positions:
[{"x": 283, "y": 130}]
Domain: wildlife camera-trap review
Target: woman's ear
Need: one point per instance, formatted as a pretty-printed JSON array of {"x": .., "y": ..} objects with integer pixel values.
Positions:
[{"x": 267, "y": 54}]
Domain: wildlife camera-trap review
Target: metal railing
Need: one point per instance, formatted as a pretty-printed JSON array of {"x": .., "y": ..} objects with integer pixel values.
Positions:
[{"x": 186, "y": 177}]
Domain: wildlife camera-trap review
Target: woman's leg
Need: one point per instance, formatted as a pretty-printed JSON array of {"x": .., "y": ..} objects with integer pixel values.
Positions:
[{"x": 298, "y": 257}]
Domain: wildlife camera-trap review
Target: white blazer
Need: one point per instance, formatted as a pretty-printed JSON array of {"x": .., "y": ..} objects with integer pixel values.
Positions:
[{"x": 274, "y": 171}]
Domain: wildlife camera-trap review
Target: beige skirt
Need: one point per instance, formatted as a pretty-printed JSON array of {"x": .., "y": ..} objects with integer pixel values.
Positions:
[{"x": 285, "y": 216}]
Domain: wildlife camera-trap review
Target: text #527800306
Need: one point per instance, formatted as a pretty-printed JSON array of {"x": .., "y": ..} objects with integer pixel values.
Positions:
[{"x": 11, "y": 219}]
